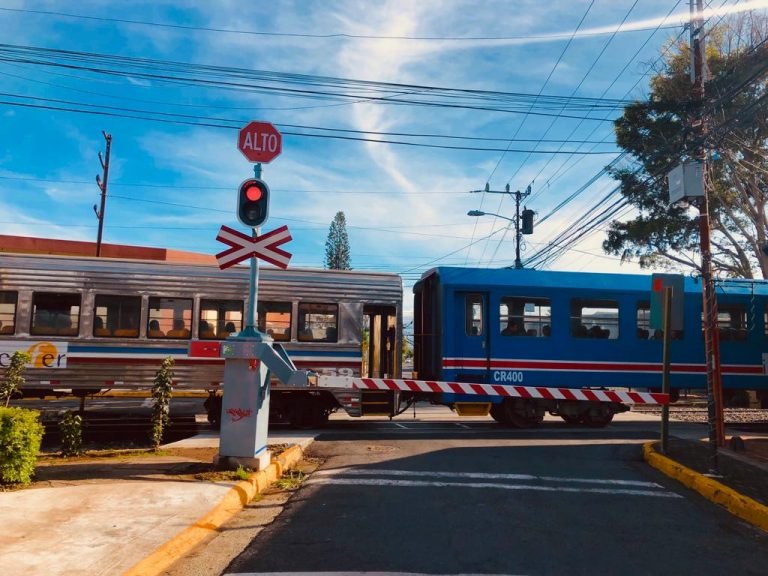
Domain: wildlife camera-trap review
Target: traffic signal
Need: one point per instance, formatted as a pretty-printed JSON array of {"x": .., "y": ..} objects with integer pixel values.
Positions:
[
  {"x": 527, "y": 227},
  {"x": 253, "y": 202}
]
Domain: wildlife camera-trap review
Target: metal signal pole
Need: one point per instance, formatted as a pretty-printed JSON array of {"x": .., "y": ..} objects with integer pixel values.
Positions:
[
  {"x": 518, "y": 229},
  {"x": 711, "y": 340},
  {"x": 102, "y": 184}
]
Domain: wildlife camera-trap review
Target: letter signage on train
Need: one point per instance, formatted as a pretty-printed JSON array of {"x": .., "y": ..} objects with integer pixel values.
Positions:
[{"x": 43, "y": 354}]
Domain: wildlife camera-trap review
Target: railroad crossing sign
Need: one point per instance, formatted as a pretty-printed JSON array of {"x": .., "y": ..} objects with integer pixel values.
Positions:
[
  {"x": 260, "y": 142},
  {"x": 243, "y": 247}
]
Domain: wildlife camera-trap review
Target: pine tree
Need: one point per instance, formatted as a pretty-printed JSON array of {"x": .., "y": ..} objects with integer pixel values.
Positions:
[{"x": 337, "y": 245}]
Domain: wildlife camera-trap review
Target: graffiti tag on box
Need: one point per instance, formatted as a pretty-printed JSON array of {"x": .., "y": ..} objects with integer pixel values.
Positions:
[{"x": 237, "y": 414}]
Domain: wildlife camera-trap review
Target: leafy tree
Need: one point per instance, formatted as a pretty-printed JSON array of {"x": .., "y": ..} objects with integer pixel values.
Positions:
[
  {"x": 337, "y": 245},
  {"x": 660, "y": 133},
  {"x": 407, "y": 350},
  {"x": 161, "y": 394},
  {"x": 14, "y": 376}
]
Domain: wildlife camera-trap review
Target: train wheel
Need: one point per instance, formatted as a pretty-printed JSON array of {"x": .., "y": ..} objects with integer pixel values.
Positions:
[
  {"x": 308, "y": 412},
  {"x": 521, "y": 413},
  {"x": 212, "y": 407},
  {"x": 571, "y": 419},
  {"x": 597, "y": 418},
  {"x": 497, "y": 413}
]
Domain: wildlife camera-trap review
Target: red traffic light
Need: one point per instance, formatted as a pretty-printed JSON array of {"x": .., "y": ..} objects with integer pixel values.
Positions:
[
  {"x": 253, "y": 193},
  {"x": 253, "y": 202}
]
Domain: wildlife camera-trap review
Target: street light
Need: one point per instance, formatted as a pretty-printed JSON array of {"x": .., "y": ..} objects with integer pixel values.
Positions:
[
  {"x": 518, "y": 263},
  {"x": 481, "y": 213}
]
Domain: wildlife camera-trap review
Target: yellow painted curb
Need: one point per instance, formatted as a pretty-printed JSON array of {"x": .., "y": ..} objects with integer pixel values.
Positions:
[
  {"x": 737, "y": 504},
  {"x": 232, "y": 502}
]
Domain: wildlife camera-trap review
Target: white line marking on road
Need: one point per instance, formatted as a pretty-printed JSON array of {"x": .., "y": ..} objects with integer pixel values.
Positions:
[
  {"x": 399, "y": 425},
  {"x": 433, "y": 484},
  {"x": 480, "y": 476},
  {"x": 460, "y": 425}
]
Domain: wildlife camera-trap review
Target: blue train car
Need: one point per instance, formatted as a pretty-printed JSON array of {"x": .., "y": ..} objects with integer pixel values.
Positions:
[{"x": 578, "y": 330}]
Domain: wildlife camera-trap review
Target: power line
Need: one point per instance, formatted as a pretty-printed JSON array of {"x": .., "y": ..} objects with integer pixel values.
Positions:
[
  {"x": 554, "y": 120},
  {"x": 522, "y": 122},
  {"x": 173, "y": 120},
  {"x": 341, "y": 35},
  {"x": 666, "y": 50}
]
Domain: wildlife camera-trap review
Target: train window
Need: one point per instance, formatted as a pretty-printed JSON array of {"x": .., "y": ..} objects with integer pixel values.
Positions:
[
  {"x": 594, "y": 319},
  {"x": 732, "y": 322},
  {"x": 8, "y": 312},
  {"x": 55, "y": 313},
  {"x": 169, "y": 318},
  {"x": 117, "y": 316},
  {"x": 275, "y": 320},
  {"x": 473, "y": 315},
  {"x": 318, "y": 322},
  {"x": 644, "y": 331},
  {"x": 220, "y": 318},
  {"x": 525, "y": 317}
]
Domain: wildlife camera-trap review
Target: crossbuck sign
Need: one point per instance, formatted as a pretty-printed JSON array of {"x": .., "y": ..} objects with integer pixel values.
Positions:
[{"x": 243, "y": 247}]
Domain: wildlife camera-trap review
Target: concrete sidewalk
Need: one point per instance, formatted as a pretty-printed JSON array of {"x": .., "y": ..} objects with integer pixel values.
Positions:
[{"x": 107, "y": 527}]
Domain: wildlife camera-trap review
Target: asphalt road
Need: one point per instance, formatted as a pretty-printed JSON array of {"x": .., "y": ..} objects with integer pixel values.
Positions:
[{"x": 453, "y": 498}]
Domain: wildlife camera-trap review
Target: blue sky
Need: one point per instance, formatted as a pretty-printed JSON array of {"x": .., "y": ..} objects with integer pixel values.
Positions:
[{"x": 173, "y": 185}]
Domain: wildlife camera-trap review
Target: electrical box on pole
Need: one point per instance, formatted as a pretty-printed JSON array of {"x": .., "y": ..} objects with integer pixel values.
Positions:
[
  {"x": 527, "y": 221},
  {"x": 686, "y": 182}
]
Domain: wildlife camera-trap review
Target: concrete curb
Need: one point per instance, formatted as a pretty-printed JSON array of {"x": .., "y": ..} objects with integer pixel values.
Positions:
[
  {"x": 737, "y": 504},
  {"x": 232, "y": 502}
]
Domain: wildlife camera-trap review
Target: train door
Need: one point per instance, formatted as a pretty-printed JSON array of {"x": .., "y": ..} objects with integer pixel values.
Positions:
[
  {"x": 380, "y": 359},
  {"x": 380, "y": 352},
  {"x": 471, "y": 335}
]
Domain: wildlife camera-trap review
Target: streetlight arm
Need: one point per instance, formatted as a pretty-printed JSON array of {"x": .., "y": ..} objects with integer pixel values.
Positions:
[{"x": 481, "y": 213}]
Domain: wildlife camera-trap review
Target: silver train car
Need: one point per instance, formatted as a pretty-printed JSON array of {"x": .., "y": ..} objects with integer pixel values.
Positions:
[{"x": 98, "y": 324}]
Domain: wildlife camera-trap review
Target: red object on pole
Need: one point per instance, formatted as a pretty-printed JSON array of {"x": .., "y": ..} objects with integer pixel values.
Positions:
[{"x": 260, "y": 142}]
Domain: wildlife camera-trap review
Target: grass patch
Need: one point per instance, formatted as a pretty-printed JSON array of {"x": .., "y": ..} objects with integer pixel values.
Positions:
[
  {"x": 224, "y": 475},
  {"x": 101, "y": 455},
  {"x": 291, "y": 481}
]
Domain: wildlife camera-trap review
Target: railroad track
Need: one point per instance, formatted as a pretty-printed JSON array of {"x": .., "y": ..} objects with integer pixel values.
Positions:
[
  {"x": 103, "y": 429},
  {"x": 739, "y": 416}
]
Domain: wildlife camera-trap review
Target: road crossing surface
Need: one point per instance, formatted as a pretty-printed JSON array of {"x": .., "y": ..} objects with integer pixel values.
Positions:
[{"x": 438, "y": 498}]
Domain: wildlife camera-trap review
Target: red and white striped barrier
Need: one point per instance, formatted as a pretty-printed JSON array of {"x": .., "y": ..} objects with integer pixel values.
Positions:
[{"x": 494, "y": 390}]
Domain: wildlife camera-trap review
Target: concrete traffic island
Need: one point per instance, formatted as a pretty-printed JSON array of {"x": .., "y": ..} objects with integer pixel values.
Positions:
[
  {"x": 738, "y": 504},
  {"x": 233, "y": 501}
]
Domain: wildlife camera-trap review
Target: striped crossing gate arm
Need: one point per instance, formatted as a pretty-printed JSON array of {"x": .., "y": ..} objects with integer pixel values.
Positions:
[{"x": 535, "y": 392}]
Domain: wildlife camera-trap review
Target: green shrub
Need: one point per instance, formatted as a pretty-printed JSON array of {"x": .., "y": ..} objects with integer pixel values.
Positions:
[
  {"x": 71, "y": 428},
  {"x": 14, "y": 376},
  {"x": 161, "y": 394},
  {"x": 20, "y": 436}
]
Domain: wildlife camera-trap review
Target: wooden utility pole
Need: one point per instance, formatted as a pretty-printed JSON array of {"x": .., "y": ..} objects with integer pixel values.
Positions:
[
  {"x": 102, "y": 184},
  {"x": 711, "y": 340}
]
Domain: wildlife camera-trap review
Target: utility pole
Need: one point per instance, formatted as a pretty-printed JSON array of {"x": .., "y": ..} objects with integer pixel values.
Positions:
[
  {"x": 711, "y": 338},
  {"x": 101, "y": 182},
  {"x": 518, "y": 195},
  {"x": 518, "y": 229}
]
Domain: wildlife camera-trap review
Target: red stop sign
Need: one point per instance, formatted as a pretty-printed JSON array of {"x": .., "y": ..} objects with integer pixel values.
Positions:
[{"x": 260, "y": 142}]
